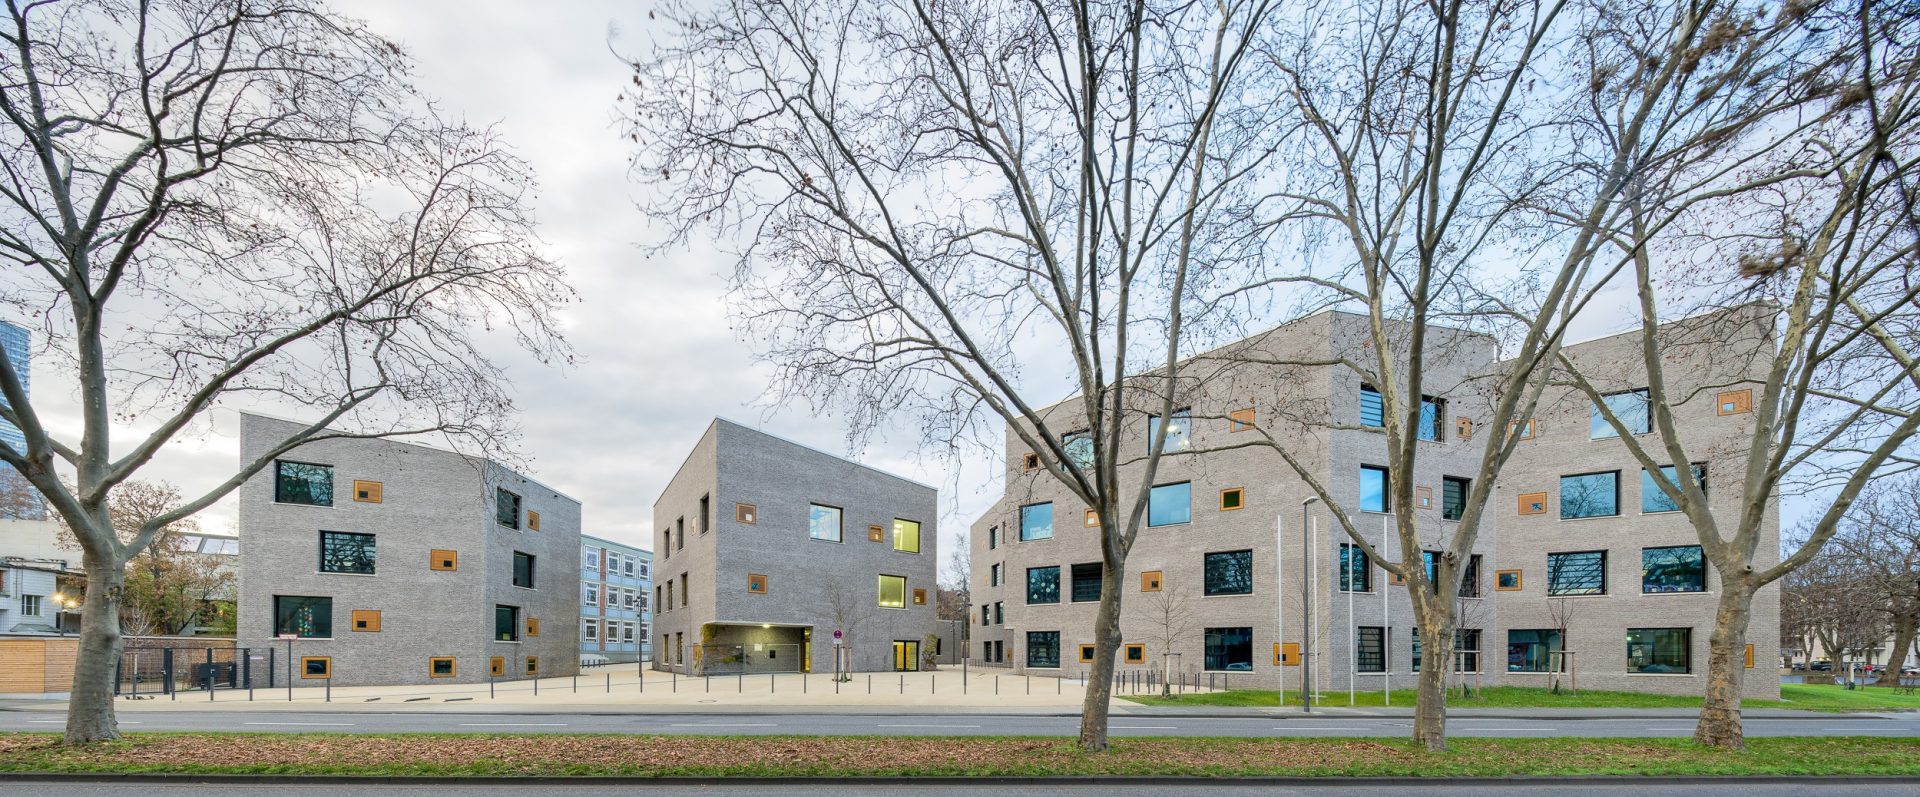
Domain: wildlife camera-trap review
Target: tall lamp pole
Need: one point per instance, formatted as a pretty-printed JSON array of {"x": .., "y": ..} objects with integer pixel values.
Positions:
[{"x": 1306, "y": 605}]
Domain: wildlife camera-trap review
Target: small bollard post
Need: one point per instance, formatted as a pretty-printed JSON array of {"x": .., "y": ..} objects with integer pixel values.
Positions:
[
  {"x": 576, "y": 683},
  {"x": 740, "y": 678},
  {"x": 1056, "y": 686},
  {"x": 903, "y": 683},
  {"x": 996, "y": 685},
  {"x": 609, "y": 683},
  {"x": 676, "y": 681},
  {"x": 536, "y": 686},
  {"x": 490, "y": 694},
  {"x": 709, "y": 680},
  {"x": 1029, "y": 684},
  {"x": 329, "y": 687},
  {"x": 869, "y": 683},
  {"x": 770, "y": 685}
]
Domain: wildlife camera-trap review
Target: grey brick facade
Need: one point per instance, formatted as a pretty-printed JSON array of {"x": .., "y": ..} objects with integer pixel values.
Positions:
[
  {"x": 732, "y": 529},
  {"x": 1316, "y": 408},
  {"x": 431, "y": 605}
]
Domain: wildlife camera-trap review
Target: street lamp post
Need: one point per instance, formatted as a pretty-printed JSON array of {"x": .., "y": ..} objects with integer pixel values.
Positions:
[{"x": 1306, "y": 605}]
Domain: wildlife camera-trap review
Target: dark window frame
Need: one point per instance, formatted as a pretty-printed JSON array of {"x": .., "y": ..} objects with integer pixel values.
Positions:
[
  {"x": 1453, "y": 496},
  {"x": 506, "y": 507},
  {"x": 1580, "y": 505},
  {"x": 1081, "y": 574},
  {"x": 1559, "y": 572},
  {"x": 1347, "y": 574},
  {"x": 1370, "y": 649},
  {"x": 348, "y": 558},
  {"x": 1236, "y": 580},
  {"x": 1042, "y": 572},
  {"x": 1039, "y": 642},
  {"x": 529, "y": 559},
  {"x": 1386, "y": 488},
  {"x": 1652, "y": 655},
  {"x": 1699, "y": 582},
  {"x": 321, "y": 624},
  {"x": 1154, "y": 492},
  {"x": 1221, "y": 646},
  {"x": 281, "y": 486},
  {"x": 1378, "y": 410},
  {"x": 512, "y": 615}
]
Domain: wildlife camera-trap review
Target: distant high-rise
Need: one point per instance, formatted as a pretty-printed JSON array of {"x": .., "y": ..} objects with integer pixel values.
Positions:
[{"x": 14, "y": 341}]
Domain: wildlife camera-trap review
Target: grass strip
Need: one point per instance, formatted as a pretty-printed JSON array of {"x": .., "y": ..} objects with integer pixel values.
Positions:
[
  {"x": 1792, "y": 696},
  {"x": 811, "y": 756}
]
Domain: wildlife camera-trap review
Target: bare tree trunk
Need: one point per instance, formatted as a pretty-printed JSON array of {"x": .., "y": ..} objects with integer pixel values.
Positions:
[
  {"x": 1436, "y": 655},
  {"x": 1726, "y": 664},
  {"x": 1106, "y": 643},
  {"x": 90, "y": 708},
  {"x": 1904, "y": 623}
]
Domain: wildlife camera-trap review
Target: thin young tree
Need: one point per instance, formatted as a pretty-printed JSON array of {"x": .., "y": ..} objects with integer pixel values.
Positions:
[
  {"x": 1880, "y": 537},
  {"x": 1791, "y": 250},
  {"x": 1168, "y": 618},
  {"x": 936, "y": 205},
  {"x": 212, "y": 203}
]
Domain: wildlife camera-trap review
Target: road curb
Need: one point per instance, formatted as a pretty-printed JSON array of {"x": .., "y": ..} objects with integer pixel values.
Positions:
[{"x": 948, "y": 780}]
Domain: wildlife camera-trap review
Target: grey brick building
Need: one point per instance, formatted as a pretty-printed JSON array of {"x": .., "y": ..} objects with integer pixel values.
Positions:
[
  {"x": 398, "y": 563},
  {"x": 1575, "y": 556},
  {"x": 766, "y": 547}
]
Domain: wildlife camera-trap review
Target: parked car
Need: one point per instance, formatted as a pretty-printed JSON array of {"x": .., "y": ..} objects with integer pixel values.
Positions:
[{"x": 1823, "y": 666}]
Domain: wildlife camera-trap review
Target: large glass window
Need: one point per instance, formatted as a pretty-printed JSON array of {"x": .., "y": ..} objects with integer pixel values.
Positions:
[
  {"x": 1470, "y": 580},
  {"x": 1590, "y": 495},
  {"x": 1373, "y": 410},
  {"x": 893, "y": 592},
  {"x": 1432, "y": 410},
  {"x": 303, "y": 616},
  {"x": 1453, "y": 496},
  {"x": 1043, "y": 649},
  {"x": 506, "y": 623},
  {"x": 1043, "y": 584},
  {"x": 1170, "y": 504},
  {"x": 1660, "y": 650},
  {"x": 1653, "y": 499},
  {"x": 1373, "y": 489},
  {"x": 302, "y": 483},
  {"x": 1370, "y": 648},
  {"x": 1577, "y": 573},
  {"x": 1229, "y": 573},
  {"x": 1178, "y": 437},
  {"x": 523, "y": 569},
  {"x": 1533, "y": 650},
  {"x": 823, "y": 522},
  {"x": 1678, "y": 568},
  {"x": 1036, "y": 522},
  {"x": 1630, "y": 407},
  {"x": 346, "y": 552},
  {"x": 1356, "y": 571},
  {"x": 906, "y": 535},
  {"x": 1229, "y": 649},
  {"x": 506, "y": 508},
  {"x": 1086, "y": 582},
  {"x": 1079, "y": 446}
]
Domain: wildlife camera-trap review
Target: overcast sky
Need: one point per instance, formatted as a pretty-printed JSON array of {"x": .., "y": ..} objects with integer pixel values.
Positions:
[{"x": 658, "y": 360}]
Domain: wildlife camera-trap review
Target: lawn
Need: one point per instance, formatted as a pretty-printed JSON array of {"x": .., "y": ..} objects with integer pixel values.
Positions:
[
  {"x": 1796, "y": 696},
  {"x": 812, "y": 756}
]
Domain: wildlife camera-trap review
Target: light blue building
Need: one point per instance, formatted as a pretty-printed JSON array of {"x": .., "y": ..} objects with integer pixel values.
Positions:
[
  {"x": 616, "y": 582},
  {"x": 14, "y": 343}
]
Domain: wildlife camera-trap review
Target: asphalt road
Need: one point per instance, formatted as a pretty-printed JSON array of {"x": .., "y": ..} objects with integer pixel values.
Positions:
[
  {"x": 842, "y": 724},
  {"x": 1400, "y": 789}
]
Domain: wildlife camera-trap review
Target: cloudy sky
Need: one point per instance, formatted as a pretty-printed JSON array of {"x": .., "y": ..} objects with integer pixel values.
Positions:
[{"x": 658, "y": 360}]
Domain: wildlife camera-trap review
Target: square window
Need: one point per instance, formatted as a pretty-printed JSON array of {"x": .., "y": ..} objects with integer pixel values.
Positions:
[
  {"x": 316, "y": 667},
  {"x": 1036, "y": 522},
  {"x": 1232, "y": 498},
  {"x": 823, "y": 522},
  {"x": 756, "y": 583},
  {"x": 1453, "y": 496},
  {"x": 506, "y": 623},
  {"x": 1043, "y": 649},
  {"x": 1229, "y": 573},
  {"x": 743, "y": 513},
  {"x": 1523, "y": 429},
  {"x": 346, "y": 552},
  {"x": 1653, "y": 499},
  {"x": 441, "y": 667},
  {"x": 1735, "y": 402},
  {"x": 1463, "y": 428},
  {"x": 1091, "y": 519},
  {"x": 1043, "y": 584},
  {"x": 876, "y": 534},
  {"x": 533, "y": 665},
  {"x": 497, "y": 666},
  {"x": 1373, "y": 489},
  {"x": 1179, "y": 437},
  {"x": 1086, "y": 582},
  {"x": 1136, "y": 654},
  {"x": 1229, "y": 649},
  {"x": 1150, "y": 581},
  {"x": 303, "y": 483},
  {"x": 893, "y": 592},
  {"x": 1170, "y": 504},
  {"x": 506, "y": 508},
  {"x": 1535, "y": 650},
  {"x": 1590, "y": 495},
  {"x": 366, "y": 492},
  {"x": 1577, "y": 573},
  {"x": 1630, "y": 406},
  {"x": 442, "y": 559},
  {"x": 533, "y": 626},
  {"x": 303, "y": 616},
  {"x": 1030, "y": 462},
  {"x": 1240, "y": 420},
  {"x": 1079, "y": 448},
  {"x": 533, "y": 520},
  {"x": 523, "y": 569},
  {"x": 1660, "y": 650},
  {"x": 919, "y": 596},
  {"x": 1086, "y": 654},
  {"x": 366, "y": 620},
  {"x": 1533, "y": 503},
  {"x": 1678, "y": 568},
  {"x": 1423, "y": 497},
  {"x": 906, "y": 535}
]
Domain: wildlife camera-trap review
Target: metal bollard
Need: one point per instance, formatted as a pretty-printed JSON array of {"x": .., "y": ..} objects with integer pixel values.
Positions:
[
  {"x": 490, "y": 694},
  {"x": 676, "y": 681},
  {"x": 1029, "y": 684},
  {"x": 869, "y": 683},
  {"x": 329, "y": 688},
  {"x": 576, "y": 683},
  {"x": 609, "y": 683},
  {"x": 996, "y": 685},
  {"x": 536, "y": 686},
  {"x": 903, "y": 683}
]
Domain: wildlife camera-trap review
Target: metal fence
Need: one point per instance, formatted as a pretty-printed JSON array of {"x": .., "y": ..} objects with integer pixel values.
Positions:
[{"x": 168, "y": 670}]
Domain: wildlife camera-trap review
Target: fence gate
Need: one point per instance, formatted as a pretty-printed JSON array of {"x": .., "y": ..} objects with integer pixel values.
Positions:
[{"x": 184, "y": 669}]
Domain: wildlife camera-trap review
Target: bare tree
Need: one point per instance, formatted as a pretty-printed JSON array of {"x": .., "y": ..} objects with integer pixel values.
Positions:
[
  {"x": 1561, "y": 613},
  {"x": 215, "y": 202},
  {"x": 1169, "y": 620},
  {"x": 942, "y": 202},
  {"x": 167, "y": 584},
  {"x": 1879, "y": 540},
  {"x": 1792, "y": 249},
  {"x": 851, "y": 612},
  {"x": 954, "y": 601}
]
